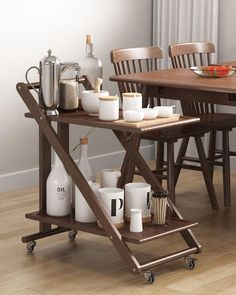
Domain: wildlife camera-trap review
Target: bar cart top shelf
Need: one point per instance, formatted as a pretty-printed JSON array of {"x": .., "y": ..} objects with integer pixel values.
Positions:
[{"x": 82, "y": 118}]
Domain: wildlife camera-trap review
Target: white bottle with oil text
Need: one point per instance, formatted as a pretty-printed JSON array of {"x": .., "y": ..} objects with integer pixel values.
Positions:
[{"x": 59, "y": 186}]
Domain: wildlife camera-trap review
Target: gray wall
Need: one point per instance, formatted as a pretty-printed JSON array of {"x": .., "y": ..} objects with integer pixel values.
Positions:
[
  {"x": 28, "y": 30},
  {"x": 227, "y": 51}
]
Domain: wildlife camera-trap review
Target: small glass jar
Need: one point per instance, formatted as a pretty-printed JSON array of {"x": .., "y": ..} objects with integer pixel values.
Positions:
[
  {"x": 108, "y": 108},
  {"x": 132, "y": 101}
]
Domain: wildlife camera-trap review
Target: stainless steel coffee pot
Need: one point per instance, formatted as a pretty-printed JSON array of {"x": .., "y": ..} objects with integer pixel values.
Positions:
[{"x": 50, "y": 71}]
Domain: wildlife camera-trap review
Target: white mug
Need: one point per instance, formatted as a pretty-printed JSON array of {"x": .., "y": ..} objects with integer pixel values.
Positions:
[
  {"x": 109, "y": 177},
  {"x": 112, "y": 200},
  {"x": 136, "y": 224},
  {"x": 137, "y": 196},
  {"x": 83, "y": 212}
]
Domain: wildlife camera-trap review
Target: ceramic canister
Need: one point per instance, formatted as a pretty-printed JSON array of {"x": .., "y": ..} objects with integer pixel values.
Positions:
[
  {"x": 132, "y": 101},
  {"x": 108, "y": 108},
  {"x": 137, "y": 196}
]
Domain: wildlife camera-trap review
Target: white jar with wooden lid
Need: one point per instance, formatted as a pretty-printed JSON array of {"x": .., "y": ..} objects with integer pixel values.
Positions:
[
  {"x": 132, "y": 101},
  {"x": 109, "y": 108}
]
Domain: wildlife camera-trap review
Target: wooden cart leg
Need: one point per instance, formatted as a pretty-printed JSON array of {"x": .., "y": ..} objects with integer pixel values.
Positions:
[
  {"x": 151, "y": 179},
  {"x": 44, "y": 170},
  {"x": 128, "y": 167},
  {"x": 69, "y": 164}
]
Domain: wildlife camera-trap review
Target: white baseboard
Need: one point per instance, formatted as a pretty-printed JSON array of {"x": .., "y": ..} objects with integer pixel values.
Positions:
[{"x": 28, "y": 178}]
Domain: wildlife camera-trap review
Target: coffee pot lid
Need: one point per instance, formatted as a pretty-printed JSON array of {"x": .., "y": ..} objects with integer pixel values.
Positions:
[{"x": 50, "y": 59}]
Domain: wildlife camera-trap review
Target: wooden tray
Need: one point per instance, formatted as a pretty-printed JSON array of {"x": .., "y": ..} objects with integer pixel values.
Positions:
[{"x": 144, "y": 123}]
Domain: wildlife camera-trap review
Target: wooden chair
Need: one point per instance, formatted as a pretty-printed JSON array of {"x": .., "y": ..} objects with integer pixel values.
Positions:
[
  {"x": 132, "y": 60},
  {"x": 185, "y": 55}
]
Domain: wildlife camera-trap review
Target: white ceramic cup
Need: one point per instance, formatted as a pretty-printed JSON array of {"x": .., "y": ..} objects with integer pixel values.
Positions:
[
  {"x": 69, "y": 94},
  {"x": 109, "y": 177},
  {"x": 137, "y": 196},
  {"x": 83, "y": 213},
  {"x": 90, "y": 101},
  {"x": 136, "y": 224},
  {"x": 108, "y": 108},
  {"x": 112, "y": 200},
  {"x": 132, "y": 101}
]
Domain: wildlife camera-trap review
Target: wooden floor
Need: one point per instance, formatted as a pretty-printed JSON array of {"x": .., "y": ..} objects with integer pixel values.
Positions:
[{"x": 90, "y": 264}]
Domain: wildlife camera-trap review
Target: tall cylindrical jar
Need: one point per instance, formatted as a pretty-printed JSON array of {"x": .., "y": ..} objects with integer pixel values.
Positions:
[
  {"x": 58, "y": 190},
  {"x": 132, "y": 101},
  {"x": 108, "y": 108}
]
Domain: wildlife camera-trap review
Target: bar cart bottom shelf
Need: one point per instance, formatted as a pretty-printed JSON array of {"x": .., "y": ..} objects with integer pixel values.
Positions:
[{"x": 150, "y": 232}]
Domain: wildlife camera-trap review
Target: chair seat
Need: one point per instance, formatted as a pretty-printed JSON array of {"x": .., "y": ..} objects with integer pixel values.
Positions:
[
  {"x": 219, "y": 121},
  {"x": 177, "y": 132}
]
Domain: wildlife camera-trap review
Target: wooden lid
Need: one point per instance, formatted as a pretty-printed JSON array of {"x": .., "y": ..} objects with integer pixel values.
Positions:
[
  {"x": 84, "y": 140},
  {"x": 109, "y": 97},
  {"x": 89, "y": 39},
  {"x": 131, "y": 94}
]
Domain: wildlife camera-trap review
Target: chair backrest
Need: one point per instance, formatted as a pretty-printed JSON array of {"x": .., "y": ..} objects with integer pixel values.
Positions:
[
  {"x": 134, "y": 60},
  {"x": 186, "y": 55}
]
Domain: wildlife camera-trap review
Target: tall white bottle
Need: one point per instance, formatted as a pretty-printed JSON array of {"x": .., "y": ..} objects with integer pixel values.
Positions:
[
  {"x": 83, "y": 212},
  {"x": 59, "y": 185},
  {"x": 84, "y": 164},
  {"x": 91, "y": 66}
]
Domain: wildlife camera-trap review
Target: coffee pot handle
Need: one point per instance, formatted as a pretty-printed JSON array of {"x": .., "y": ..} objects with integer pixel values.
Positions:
[{"x": 26, "y": 77}]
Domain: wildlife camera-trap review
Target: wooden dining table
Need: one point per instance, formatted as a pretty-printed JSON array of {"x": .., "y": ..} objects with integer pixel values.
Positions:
[{"x": 184, "y": 84}]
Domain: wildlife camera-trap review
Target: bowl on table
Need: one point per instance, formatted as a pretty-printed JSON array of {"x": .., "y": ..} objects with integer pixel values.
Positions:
[
  {"x": 164, "y": 111},
  {"x": 213, "y": 71},
  {"x": 149, "y": 113},
  {"x": 133, "y": 116},
  {"x": 90, "y": 101}
]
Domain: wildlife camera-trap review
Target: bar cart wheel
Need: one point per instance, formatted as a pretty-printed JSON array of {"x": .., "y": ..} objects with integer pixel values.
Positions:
[
  {"x": 72, "y": 234},
  {"x": 189, "y": 262},
  {"x": 30, "y": 246},
  {"x": 149, "y": 277}
]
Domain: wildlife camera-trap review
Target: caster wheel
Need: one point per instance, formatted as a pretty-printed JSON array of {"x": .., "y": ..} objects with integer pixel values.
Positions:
[
  {"x": 189, "y": 262},
  {"x": 72, "y": 234},
  {"x": 149, "y": 277},
  {"x": 30, "y": 246}
]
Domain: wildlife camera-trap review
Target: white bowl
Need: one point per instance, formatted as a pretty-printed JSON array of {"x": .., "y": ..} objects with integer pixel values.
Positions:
[
  {"x": 133, "y": 116},
  {"x": 90, "y": 100},
  {"x": 149, "y": 113},
  {"x": 164, "y": 111}
]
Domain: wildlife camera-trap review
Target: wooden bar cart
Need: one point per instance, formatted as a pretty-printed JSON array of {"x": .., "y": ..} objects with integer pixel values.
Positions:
[{"x": 128, "y": 135}]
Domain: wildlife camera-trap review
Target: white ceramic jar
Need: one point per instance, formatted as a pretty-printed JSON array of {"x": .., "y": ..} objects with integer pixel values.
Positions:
[
  {"x": 132, "y": 101},
  {"x": 108, "y": 108}
]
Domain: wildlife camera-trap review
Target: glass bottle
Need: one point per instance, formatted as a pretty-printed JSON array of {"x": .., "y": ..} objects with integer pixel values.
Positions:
[
  {"x": 84, "y": 164},
  {"x": 58, "y": 190},
  {"x": 90, "y": 65}
]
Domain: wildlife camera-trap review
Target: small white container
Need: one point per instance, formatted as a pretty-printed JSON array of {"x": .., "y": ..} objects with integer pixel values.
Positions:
[
  {"x": 108, "y": 108},
  {"x": 132, "y": 101},
  {"x": 136, "y": 224},
  {"x": 133, "y": 116}
]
